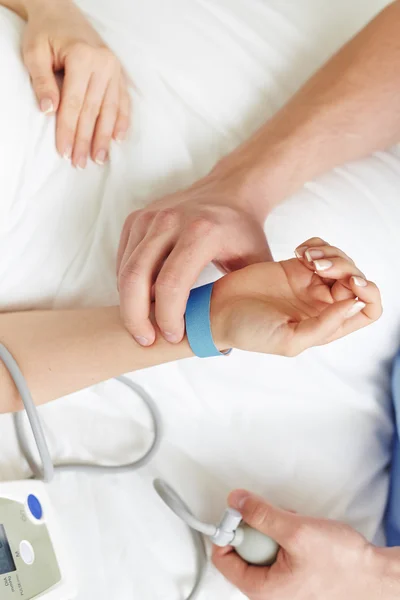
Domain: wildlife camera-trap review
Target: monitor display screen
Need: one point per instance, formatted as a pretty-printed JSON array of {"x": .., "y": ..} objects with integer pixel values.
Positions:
[{"x": 7, "y": 564}]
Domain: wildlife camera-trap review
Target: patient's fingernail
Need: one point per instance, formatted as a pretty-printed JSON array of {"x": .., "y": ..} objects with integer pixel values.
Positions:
[
  {"x": 312, "y": 254},
  {"x": 355, "y": 309},
  {"x": 67, "y": 153},
  {"x": 121, "y": 135},
  {"x": 171, "y": 337},
  {"x": 143, "y": 341},
  {"x": 101, "y": 157},
  {"x": 359, "y": 281},
  {"x": 46, "y": 106},
  {"x": 299, "y": 252},
  {"x": 81, "y": 164},
  {"x": 323, "y": 265}
]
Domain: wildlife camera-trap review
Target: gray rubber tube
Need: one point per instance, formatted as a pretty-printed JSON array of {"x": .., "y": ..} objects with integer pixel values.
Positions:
[{"x": 47, "y": 472}]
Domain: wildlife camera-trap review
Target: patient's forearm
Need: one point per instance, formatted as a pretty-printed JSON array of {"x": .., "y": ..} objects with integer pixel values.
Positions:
[
  {"x": 60, "y": 352},
  {"x": 347, "y": 110}
]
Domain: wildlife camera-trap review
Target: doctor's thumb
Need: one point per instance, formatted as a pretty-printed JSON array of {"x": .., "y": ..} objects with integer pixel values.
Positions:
[{"x": 281, "y": 525}]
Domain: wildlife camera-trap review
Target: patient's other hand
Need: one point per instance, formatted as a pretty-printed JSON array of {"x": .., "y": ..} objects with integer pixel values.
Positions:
[
  {"x": 93, "y": 105},
  {"x": 286, "y": 307}
]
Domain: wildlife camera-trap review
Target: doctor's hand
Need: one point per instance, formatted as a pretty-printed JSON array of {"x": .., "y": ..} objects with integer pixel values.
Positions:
[
  {"x": 164, "y": 248},
  {"x": 318, "y": 559},
  {"x": 286, "y": 307},
  {"x": 93, "y": 105}
]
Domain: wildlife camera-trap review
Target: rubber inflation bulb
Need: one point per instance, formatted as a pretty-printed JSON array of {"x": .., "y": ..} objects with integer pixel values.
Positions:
[{"x": 256, "y": 548}]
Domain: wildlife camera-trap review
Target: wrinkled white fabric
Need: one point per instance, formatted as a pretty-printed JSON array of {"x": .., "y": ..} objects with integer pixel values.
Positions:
[{"x": 311, "y": 434}]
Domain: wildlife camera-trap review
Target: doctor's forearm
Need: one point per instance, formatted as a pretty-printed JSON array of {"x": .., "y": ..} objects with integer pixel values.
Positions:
[
  {"x": 24, "y": 7},
  {"x": 60, "y": 352},
  {"x": 17, "y": 6},
  {"x": 347, "y": 110}
]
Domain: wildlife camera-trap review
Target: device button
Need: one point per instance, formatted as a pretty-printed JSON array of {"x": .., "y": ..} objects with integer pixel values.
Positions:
[
  {"x": 27, "y": 553},
  {"x": 35, "y": 507}
]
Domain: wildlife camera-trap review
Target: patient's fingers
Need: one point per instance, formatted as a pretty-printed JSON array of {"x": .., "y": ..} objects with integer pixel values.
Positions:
[
  {"x": 39, "y": 62},
  {"x": 321, "y": 252},
  {"x": 331, "y": 264},
  {"x": 338, "y": 319},
  {"x": 123, "y": 118},
  {"x": 315, "y": 241},
  {"x": 367, "y": 292},
  {"x": 334, "y": 268},
  {"x": 76, "y": 82},
  {"x": 106, "y": 123},
  {"x": 87, "y": 119},
  {"x": 325, "y": 327},
  {"x": 328, "y": 261},
  {"x": 317, "y": 253},
  {"x": 94, "y": 104}
]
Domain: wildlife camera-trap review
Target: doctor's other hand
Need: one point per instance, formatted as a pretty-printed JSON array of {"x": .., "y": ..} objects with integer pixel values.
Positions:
[
  {"x": 93, "y": 105},
  {"x": 164, "y": 248},
  {"x": 286, "y": 307},
  {"x": 318, "y": 559}
]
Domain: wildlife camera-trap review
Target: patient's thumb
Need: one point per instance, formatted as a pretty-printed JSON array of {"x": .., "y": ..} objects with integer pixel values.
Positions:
[{"x": 318, "y": 330}]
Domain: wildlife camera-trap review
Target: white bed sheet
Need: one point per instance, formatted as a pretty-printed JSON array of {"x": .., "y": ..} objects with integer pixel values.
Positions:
[{"x": 312, "y": 433}]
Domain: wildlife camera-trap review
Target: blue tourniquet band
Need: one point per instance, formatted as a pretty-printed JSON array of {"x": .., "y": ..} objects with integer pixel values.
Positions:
[{"x": 198, "y": 324}]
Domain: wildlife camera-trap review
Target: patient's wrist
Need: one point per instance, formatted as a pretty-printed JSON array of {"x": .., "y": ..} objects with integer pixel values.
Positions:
[{"x": 220, "y": 317}]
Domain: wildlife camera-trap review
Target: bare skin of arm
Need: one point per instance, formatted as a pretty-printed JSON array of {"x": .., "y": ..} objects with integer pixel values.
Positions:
[
  {"x": 274, "y": 308},
  {"x": 346, "y": 111},
  {"x": 16, "y": 6},
  {"x": 63, "y": 351}
]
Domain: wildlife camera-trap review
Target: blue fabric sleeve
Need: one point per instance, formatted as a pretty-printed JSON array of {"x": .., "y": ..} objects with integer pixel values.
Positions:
[{"x": 393, "y": 508}]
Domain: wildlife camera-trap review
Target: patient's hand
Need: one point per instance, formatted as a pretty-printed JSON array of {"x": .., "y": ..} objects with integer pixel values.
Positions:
[
  {"x": 93, "y": 105},
  {"x": 286, "y": 307}
]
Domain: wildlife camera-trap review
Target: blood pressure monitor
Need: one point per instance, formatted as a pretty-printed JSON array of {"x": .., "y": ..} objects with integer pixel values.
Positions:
[{"x": 33, "y": 556}]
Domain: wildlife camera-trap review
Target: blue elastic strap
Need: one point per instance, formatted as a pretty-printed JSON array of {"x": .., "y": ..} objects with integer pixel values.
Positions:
[
  {"x": 393, "y": 508},
  {"x": 198, "y": 324}
]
